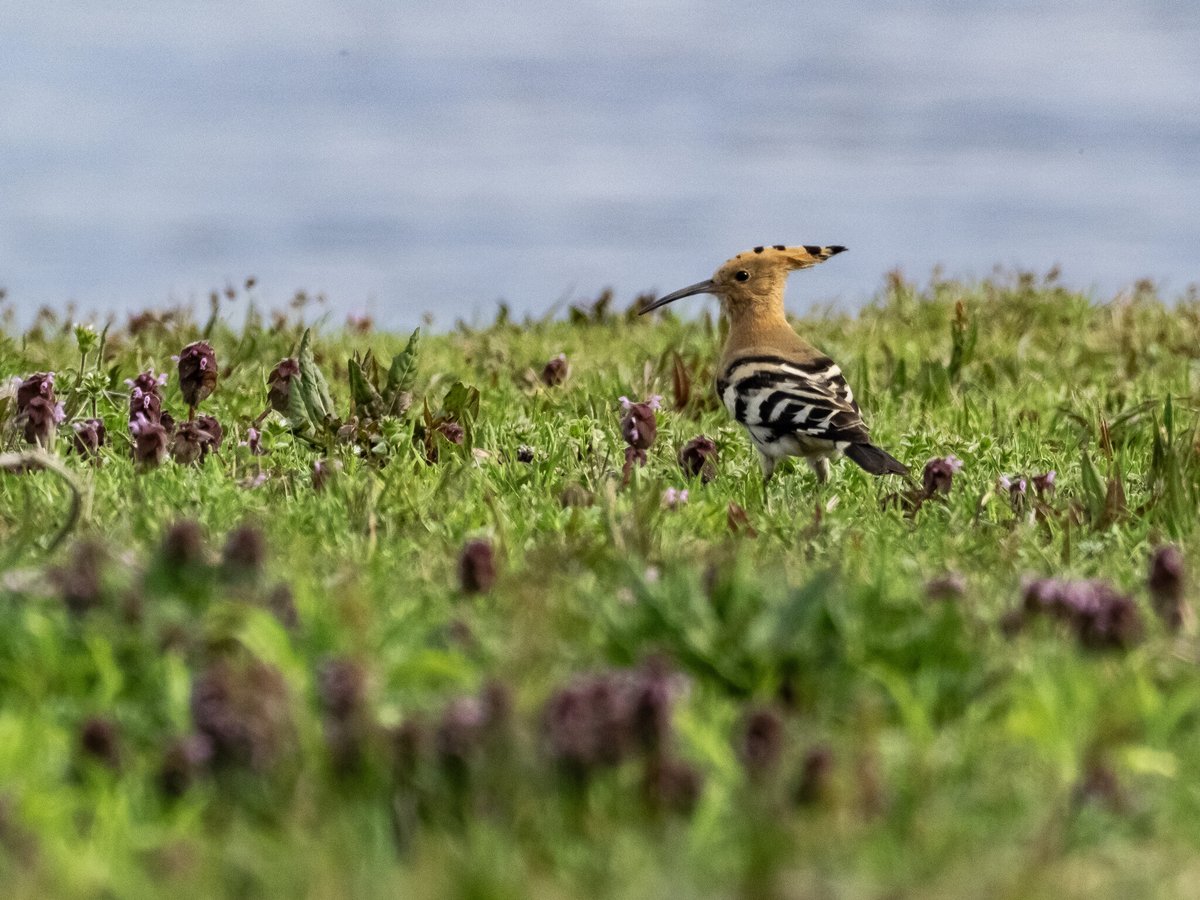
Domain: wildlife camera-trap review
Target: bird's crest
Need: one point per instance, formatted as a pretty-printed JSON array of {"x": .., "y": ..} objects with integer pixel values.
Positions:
[{"x": 800, "y": 256}]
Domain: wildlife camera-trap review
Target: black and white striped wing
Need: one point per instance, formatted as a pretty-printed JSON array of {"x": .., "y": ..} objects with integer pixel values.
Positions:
[{"x": 775, "y": 397}]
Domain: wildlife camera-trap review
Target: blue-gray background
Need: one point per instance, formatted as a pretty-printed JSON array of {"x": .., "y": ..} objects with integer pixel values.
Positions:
[{"x": 438, "y": 156}]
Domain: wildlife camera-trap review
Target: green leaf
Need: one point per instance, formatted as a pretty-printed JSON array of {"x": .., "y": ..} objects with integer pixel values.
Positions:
[
  {"x": 461, "y": 404},
  {"x": 313, "y": 388},
  {"x": 964, "y": 336},
  {"x": 364, "y": 395},
  {"x": 1094, "y": 489},
  {"x": 402, "y": 374},
  {"x": 310, "y": 408},
  {"x": 370, "y": 369},
  {"x": 298, "y": 416}
]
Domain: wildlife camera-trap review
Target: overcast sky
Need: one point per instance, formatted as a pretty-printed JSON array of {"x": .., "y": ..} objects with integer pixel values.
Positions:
[{"x": 431, "y": 157}]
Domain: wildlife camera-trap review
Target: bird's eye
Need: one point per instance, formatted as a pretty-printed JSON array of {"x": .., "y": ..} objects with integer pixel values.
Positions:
[{"x": 741, "y": 275}]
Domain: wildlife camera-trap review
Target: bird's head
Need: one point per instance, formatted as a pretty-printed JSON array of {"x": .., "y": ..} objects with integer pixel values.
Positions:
[{"x": 753, "y": 279}]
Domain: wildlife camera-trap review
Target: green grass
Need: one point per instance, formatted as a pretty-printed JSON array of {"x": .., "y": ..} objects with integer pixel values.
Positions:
[{"x": 962, "y": 760}]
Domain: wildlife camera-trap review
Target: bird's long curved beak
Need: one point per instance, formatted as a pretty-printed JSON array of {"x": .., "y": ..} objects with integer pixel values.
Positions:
[{"x": 701, "y": 287}]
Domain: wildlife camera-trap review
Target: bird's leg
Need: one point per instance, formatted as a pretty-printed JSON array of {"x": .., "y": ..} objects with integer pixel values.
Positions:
[
  {"x": 768, "y": 466},
  {"x": 820, "y": 466},
  {"x": 767, "y": 463}
]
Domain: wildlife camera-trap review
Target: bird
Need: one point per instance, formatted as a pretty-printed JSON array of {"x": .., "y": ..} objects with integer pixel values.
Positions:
[{"x": 792, "y": 398}]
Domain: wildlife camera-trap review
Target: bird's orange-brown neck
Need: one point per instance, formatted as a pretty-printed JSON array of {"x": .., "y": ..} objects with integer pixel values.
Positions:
[{"x": 762, "y": 329}]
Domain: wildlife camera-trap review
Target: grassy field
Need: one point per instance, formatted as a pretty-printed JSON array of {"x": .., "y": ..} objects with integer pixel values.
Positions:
[{"x": 420, "y": 634}]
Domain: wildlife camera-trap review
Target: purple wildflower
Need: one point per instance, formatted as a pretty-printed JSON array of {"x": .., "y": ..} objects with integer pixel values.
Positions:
[
  {"x": 38, "y": 412},
  {"x": 342, "y": 691},
  {"x": 360, "y": 322},
  {"x": 760, "y": 743},
  {"x": 1099, "y": 616},
  {"x": 939, "y": 473},
  {"x": 81, "y": 580},
  {"x": 600, "y": 720},
  {"x": 1166, "y": 581},
  {"x": 282, "y": 604},
  {"x": 639, "y": 427},
  {"x": 187, "y": 444},
  {"x": 342, "y": 688},
  {"x": 197, "y": 372},
  {"x": 149, "y": 443},
  {"x": 145, "y": 400},
  {"x": 477, "y": 567},
  {"x": 459, "y": 731},
  {"x": 279, "y": 384},
  {"x": 39, "y": 384},
  {"x": 673, "y": 499},
  {"x": 186, "y": 759},
  {"x": 652, "y": 696},
  {"x": 1043, "y": 485},
  {"x": 253, "y": 441},
  {"x": 183, "y": 545},
  {"x": 582, "y": 728},
  {"x": 950, "y": 586},
  {"x": 40, "y": 419},
  {"x": 147, "y": 381},
  {"x": 497, "y": 700},
  {"x": 815, "y": 774},
  {"x": 89, "y": 437},
  {"x": 211, "y": 435},
  {"x": 1016, "y": 487},
  {"x": 245, "y": 552},
  {"x": 409, "y": 742},
  {"x": 1100, "y": 784},
  {"x": 671, "y": 786},
  {"x": 451, "y": 431},
  {"x": 322, "y": 471},
  {"x": 145, "y": 404},
  {"x": 556, "y": 371},
  {"x": 100, "y": 740},
  {"x": 244, "y": 711},
  {"x": 256, "y": 480},
  {"x": 699, "y": 457}
]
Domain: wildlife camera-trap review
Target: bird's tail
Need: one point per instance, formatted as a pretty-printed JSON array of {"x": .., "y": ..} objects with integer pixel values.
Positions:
[{"x": 875, "y": 460}]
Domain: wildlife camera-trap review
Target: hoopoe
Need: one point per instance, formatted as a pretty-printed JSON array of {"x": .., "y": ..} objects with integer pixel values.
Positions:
[{"x": 791, "y": 397}]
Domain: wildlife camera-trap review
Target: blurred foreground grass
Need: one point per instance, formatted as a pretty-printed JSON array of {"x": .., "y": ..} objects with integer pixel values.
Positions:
[{"x": 249, "y": 678}]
